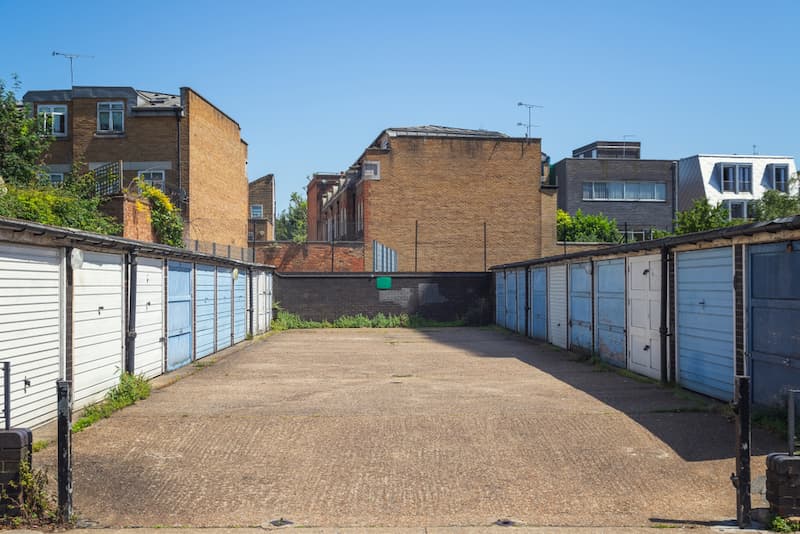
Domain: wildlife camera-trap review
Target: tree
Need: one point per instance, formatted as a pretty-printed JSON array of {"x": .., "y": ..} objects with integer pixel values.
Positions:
[
  {"x": 291, "y": 224},
  {"x": 702, "y": 216},
  {"x": 586, "y": 228},
  {"x": 774, "y": 205},
  {"x": 22, "y": 143}
]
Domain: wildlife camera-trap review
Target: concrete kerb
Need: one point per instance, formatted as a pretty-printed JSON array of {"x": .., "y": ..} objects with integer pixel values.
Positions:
[{"x": 48, "y": 432}]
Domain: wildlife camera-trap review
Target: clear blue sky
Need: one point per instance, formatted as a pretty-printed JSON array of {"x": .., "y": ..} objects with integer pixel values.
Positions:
[{"x": 312, "y": 83}]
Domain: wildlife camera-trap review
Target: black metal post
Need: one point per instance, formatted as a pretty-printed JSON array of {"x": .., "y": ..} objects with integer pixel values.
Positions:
[
  {"x": 130, "y": 345},
  {"x": 64, "y": 389},
  {"x": 484, "y": 245},
  {"x": 741, "y": 479},
  {"x": 333, "y": 248},
  {"x": 416, "y": 243},
  {"x": 789, "y": 427},
  {"x": 7, "y": 393},
  {"x": 663, "y": 329}
]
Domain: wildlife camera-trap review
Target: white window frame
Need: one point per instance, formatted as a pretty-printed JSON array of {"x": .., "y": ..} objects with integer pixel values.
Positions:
[
  {"x": 56, "y": 178},
  {"x": 49, "y": 110},
  {"x": 626, "y": 186},
  {"x": 735, "y": 186},
  {"x": 376, "y": 175},
  {"x": 110, "y": 112},
  {"x": 773, "y": 172},
  {"x": 147, "y": 177},
  {"x": 260, "y": 210}
]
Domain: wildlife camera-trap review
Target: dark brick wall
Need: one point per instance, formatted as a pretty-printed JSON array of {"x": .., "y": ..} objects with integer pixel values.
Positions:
[
  {"x": 571, "y": 173},
  {"x": 783, "y": 484},
  {"x": 435, "y": 296}
]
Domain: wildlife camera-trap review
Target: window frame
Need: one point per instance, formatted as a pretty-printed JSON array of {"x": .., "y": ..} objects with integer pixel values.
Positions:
[
  {"x": 260, "y": 207},
  {"x": 65, "y": 114},
  {"x": 149, "y": 180},
  {"x": 110, "y": 112},
  {"x": 736, "y": 185},
  {"x": 58, "y": 181},
  {"x": 775, "y": 167},
  {"x": 376, "y": 175},
  {"x": 746, "y": 208},
  {"x": 591, "y": 185}
]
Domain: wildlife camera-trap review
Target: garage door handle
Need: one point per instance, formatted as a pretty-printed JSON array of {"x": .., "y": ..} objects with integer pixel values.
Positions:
[
  {"x": 99, "y": 309},
  {"x": 702, "y": 303},
  {"x": 646, "y": 347}
]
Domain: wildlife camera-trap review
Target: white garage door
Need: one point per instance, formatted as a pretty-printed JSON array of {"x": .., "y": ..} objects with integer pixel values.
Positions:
[
  {"x": 30, "y": 330},
  {"x": 97, "y": 357},
  {"x": 557, "y": 305},
  {"x": 261, "y": 298},
  {"x": 149, "y": 357}
]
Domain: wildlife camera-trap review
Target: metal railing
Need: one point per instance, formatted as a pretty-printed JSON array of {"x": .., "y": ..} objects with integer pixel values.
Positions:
[{"x": 219, "y": 250}]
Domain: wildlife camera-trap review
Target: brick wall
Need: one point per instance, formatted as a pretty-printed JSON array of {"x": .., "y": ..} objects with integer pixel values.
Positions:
[
  {"x": 133, "y": 214},
  {"x": 261, "y": 191},
  {"x": 312, "y": 257},
  {"x": 435, "y": 296},
  {"x": 448, "y": 188},
  {"x": 218, "y": 191}
]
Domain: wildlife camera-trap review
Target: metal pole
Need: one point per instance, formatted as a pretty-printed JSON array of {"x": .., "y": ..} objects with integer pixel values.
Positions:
[
  {"x": 790, "y": 425},
  {"x": 484, "y": 245},
  {"x": 7, "y": 393},
  {"x": 64, "y": 393},
  {"x": 130, "y": 347},
  {"x": 741, "y": 479},
  {"x": 416, "y": 243}
]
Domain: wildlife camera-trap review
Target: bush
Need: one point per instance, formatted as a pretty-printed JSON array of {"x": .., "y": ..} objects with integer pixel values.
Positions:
[
  {"x": 584, "y": 228},
  {"x": 131, "y": 388},
  {"x": 289, "y": 321},
  {"x": 164, "y": 216},
  {"x": 55, "y": 206}
]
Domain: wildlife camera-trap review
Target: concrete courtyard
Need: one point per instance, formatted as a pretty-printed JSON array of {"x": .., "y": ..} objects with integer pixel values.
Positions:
[{"x": 452, "y": 427}]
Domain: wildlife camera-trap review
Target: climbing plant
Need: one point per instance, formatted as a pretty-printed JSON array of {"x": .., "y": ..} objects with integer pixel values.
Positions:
[{"x": 164, "y": 216}]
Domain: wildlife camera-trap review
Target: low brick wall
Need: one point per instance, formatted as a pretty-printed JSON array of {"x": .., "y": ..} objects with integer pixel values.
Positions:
[
  {"x": 286, "y": 256},
  {"x": 783, "y": 484},
  {"x": 134, "y": 215},
  {"x": 435, "y": 296}
]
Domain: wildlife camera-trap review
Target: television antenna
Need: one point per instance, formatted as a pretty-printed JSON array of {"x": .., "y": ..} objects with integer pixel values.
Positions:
[
  {"x": 530, "y": 108},
  {"x": 71, "y": 58}
]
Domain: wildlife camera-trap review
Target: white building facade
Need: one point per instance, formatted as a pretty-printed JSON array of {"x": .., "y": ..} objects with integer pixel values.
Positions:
[{"x": 733, "y": 180}]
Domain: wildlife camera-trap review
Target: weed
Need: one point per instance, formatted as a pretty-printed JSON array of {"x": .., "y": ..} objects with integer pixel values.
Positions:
[
  {"x": 772, "y": 419},
  {"x": 290, "y": 321},
  {"x": 130, "y": 389},
  {"x": 31, "y": 504},
  {"x": 202, "y": 364},
  {"x": 780, "y": 524},
  {"x": 40, "y": 445}
]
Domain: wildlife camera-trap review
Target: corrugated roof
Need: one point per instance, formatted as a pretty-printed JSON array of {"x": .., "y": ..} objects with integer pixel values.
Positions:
[{"x": 442, "y": 131}]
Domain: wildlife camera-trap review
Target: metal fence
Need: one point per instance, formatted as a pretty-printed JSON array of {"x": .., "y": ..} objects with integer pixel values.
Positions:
[
  {"x": 108, "y": 179},
  {"x": 219, "y": 250}
]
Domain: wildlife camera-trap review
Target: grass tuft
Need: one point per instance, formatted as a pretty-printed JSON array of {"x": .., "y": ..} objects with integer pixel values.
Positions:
[
  {"x": 291, "y": 321},
  {"x": 130, "y": 389}
]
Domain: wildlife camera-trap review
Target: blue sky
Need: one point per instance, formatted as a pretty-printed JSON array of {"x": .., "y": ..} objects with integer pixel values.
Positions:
[{"x": 312, "y": 83}]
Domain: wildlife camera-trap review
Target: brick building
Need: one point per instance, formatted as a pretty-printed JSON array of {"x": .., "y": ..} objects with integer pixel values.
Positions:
[
  {"x": 609, "y": 177},
  {"x": 319, "y": 184},
  {"x": 441, "y": 199},
  {"x": 261, "y": 223},
  {"x": 182, "y": 144}
]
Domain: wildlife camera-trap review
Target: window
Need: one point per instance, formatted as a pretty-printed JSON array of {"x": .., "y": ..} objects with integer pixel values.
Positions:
[
  {"x": 110, "y": 117},
  {"x": 56, "y": 178},
  {"x": 256, "y": 211},
  {"x": 738, "y": 209},
  {"x": 625, "y": 191},
  {"x": 371, "y": 170},
  {"x": 736, "y": 178},
  {"x": 250, "y": 236},
  {"x": 53, "y": 119},
  {"x": 780, "y": 178},
  {"x": 154, "y": 178}
]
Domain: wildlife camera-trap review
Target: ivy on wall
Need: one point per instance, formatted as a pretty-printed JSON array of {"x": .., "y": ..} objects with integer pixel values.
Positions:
[{"x": 164, "y": 216}]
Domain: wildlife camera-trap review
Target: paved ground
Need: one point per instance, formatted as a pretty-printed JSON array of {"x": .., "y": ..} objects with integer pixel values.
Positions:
[{"x": 440, "y": 428}]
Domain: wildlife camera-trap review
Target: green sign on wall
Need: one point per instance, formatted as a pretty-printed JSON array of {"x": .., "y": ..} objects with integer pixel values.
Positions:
[{"x": 383, "y": 282}]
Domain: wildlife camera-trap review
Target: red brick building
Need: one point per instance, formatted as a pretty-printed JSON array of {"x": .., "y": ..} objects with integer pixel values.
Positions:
[
  {"x": 434, "y": 198},
  {"x": 182, "y": 144},
  {"x": 261, "y": 223}
]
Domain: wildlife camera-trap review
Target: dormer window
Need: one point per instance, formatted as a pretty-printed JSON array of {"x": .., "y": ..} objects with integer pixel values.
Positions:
[
  {"x": 110, "y": 117},
  {"x": 736, "y": 178},
  {"x": 780, "y": 178},
  {"x": 53, "y": 119}
]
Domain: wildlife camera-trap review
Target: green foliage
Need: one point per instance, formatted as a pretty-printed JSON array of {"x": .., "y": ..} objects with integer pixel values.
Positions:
[
  {"x": 164, "y": 216},
  {"x": 290, "y": 225},
  {"x": 130, "y": 389},
  {"x": 702, "y": 216},
  {"x": 40, "y": 445},
  {"x": 58, "y": 207},
  {"x": 22, "y": 144},
  {"x": 774, "y": 205},
  {"x": 584, "y": 228},
  {"x": 33, "y": 506},
  {"x": 780, "y": 524},
  {"x": 289, "y": 321}
]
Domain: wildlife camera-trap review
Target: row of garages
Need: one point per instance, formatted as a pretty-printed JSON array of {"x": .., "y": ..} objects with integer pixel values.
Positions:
[
  {"x": 88, "y": 309},
  {"x": 695, "y": 310}
]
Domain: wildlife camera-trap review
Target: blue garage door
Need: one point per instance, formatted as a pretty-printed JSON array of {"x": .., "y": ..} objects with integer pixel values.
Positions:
[
  {"x": 205, "y": 325},
  {"x": 240, "y": 307},
  {"x": 500, "y": 297},
  {"x": 705, "y": 321},
  {"x": 179, "y": 314},
  {"x": 610, "y": 305},
  {"x": 511, "y": 300},
  {"x": 521, "y": 288},
  {"x": 774, "y": 320},
  {"x": 539, "y": 303},
  {"x": 580, "y": 306},
  {"x": 224, "y": 306}
]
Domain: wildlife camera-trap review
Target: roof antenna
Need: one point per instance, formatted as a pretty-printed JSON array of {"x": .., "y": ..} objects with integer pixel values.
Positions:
[
  {"x": 71, "y": 57},
  {"x": 755, "y": 150}
]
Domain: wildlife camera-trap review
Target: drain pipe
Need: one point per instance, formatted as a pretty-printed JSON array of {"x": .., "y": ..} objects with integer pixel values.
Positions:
[
  {"x": 130, "y": 339},
  {"x": 663, "y": 328}
]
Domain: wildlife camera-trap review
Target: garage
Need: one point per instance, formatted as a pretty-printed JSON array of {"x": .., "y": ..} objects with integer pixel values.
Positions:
[
  {"x": 500, "y": 298},
  {"x": 521, "y": 300},
  {"x": 557, "y": 305},
  {"x": 511, "y": 300},
  {"x": 261, "y": 302},
  {"x": 610, "y": 311},
  {"x": 179, "y": 314},
  {"x": 580, "y": 307},
  {"x": 205, "y": 313},
  {"x": 644, "y": 315},
  {"x": 224, "y": 307},
  {"x": 539, "y": 303},
  {"x": 149, "y": 355},
  {"x": 31, "y": 329},
  {"x": 774, "y": 338},
  {"x": 98, "y": 324},
  {"x": 239, "y": 305},
  {"x": 705, "y": 326}
]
